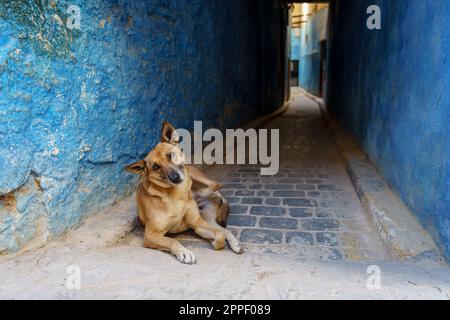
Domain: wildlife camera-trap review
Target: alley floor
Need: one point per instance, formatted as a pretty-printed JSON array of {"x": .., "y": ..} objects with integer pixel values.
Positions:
[
  {"x": 304, "y": 229},
  {"x": 309, "y": 208}
]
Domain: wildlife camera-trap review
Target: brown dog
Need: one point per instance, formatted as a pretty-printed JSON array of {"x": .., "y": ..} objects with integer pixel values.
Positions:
[
  {"x": 164, "y": 198},
  {"x": 215, "y": 209}
]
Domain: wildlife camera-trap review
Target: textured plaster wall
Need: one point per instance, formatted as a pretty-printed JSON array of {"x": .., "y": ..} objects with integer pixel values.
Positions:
[
  {"x": 313, "y": 31},
  {"x": 77, "y": 105},
  {"x": 273, "y": 53},
  {"x": 390, "y": 89},
  {"x": 295, "y": 45}
]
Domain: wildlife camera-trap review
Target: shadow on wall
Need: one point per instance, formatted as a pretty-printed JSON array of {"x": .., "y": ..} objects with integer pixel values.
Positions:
[
  {"x": 76, "y": 105},
  {"x": 306, "y": 48},
  {"x": 390, "y": 88}
]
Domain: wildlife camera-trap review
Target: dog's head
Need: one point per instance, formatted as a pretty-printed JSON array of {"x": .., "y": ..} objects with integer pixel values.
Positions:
[{"x": 164, "y": 165}]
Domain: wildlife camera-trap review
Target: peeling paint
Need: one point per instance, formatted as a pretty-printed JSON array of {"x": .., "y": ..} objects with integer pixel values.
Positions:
[
  {"x": 390, "y": 89},
  {"x": 76, "y": 106}
]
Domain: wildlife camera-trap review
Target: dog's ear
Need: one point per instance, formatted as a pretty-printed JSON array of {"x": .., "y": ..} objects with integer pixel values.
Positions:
[
  {"x": 137, "y": 167},
  {"x": 169, "y": 134}
]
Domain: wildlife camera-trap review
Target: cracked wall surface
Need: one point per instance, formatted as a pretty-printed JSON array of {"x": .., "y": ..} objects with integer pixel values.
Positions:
[
  {"x": 78, "y": 105},
  {"x": 390, "y": 89}
]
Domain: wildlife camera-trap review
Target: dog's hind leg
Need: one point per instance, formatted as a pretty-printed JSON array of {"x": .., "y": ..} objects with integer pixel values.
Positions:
[
  {"x": 233, "y": 242},
  {"x": 198, "y": 176},
  {"x": 205, "y": 230},
  {"x": 194, "y": 221},
  {"x": 229, "y": 236},
  {"x": 159, "y": 241}
]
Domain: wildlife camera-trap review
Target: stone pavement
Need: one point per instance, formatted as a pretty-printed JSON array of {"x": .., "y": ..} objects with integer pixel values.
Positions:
[
  {"x": 306, "y": 236},
  {"x": 310, "y": 206}
]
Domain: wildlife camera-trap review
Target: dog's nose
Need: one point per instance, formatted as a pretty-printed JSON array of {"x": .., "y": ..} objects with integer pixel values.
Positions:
[{"x": 174, "y": 177}]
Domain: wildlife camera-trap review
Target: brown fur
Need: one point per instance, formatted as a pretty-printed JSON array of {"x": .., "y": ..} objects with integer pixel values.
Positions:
[
  {"x": 215, "y": 209},
  {"x": 164, "y": 200}
]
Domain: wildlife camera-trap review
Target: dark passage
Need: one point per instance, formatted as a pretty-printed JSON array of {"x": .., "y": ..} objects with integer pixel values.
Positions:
[{"x": 358, "y": 89}]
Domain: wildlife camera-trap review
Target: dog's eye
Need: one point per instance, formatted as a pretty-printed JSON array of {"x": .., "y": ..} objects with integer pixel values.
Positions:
[{"x": 155, "y": 166}]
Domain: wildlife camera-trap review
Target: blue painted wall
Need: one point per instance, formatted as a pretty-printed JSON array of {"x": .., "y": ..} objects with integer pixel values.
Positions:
[
  {"x": 77, "y": 105},
  {"x": 295, "y": 45},
  {"x": 391, "y": 89},
  {"x": 309, "y": 67},
  {"x": 273, "y": 55}
]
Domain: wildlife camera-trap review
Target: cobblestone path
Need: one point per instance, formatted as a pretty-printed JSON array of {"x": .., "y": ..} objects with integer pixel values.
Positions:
[{"x": 310, "y": 206}]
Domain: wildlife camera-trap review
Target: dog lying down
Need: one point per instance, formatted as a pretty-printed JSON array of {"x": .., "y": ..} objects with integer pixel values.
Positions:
[{"x": 167, "y": 204}]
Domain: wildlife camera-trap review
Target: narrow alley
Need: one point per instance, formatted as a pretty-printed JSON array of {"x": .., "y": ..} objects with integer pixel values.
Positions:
[
  {"x": 305, "y": 233},
  {"x": 323, "y": 125},
  {"x": 310, "y": 205}
]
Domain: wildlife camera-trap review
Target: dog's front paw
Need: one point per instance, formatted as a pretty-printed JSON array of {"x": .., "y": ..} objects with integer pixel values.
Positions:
[
  {"x": 234, "y": 244},
  {"x": 185, "y": 256}
]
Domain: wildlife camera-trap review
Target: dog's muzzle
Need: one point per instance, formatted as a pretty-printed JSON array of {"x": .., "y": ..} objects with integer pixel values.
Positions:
[{"x": 175, "y": 177}]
